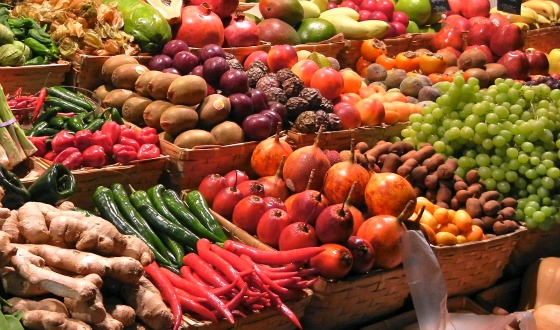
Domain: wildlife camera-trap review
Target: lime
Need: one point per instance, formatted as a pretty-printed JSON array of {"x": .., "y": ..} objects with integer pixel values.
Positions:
[
  {"x": 412, "y": 27},
  {"x": 315, "y": 30},
  {"x": 418, "y": 11}
]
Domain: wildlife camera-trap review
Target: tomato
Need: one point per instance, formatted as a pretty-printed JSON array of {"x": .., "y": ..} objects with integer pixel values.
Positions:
[
  {"x": 328, "y": 81},
  {"x": 361, "y": 66},
  {"x": 281, "y": 56},
  {"x": 371, "y": 49},
  {"x": 334, "y": 262},
  {"x": 432, "y": 63},
  {"x": 386, "y": 61},
  {"x": 407, "y": 61}
]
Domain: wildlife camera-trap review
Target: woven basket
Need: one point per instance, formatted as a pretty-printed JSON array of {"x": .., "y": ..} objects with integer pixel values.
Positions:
[
  {"x": 329, "y": 47},
  {"x": 340, "y": 140},
  {"x": 398, "y": 45},
  {"x": 32, "y": 78},
  {"x": 140, "y": 174},
  {"x": 349, "y": 54},
  {"x": 471, "y": 267},
  {"x": 545, "y": 39},
  {"x": 86, "y": 70},
  {"x": 421, "y": 40},
  {"x": 534, "y": 245},
  {"x": 240, "y": 53},
  {"x": 187, "y": 167}
]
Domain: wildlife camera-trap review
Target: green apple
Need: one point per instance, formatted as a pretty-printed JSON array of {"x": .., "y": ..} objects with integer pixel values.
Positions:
[{"x": 322, "y": 4}]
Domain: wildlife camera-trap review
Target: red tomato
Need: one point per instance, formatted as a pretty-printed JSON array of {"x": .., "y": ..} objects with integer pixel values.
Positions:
[
  {"x": 334, "y": 262},
  {"x": 328, "y": 81}
]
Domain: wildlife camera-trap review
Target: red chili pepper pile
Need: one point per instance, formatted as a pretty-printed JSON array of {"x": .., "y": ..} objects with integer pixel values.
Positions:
[
  {"x": 114, "y": 143},
  {"x": 18, "y": 101},
  {"x": 237, "y": 279}
]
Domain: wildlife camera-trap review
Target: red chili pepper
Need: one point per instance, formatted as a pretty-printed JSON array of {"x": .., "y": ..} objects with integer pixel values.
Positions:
[
  {"x": 203, "y": 250},
  {"x": 286, "y": 282},
  {"x": 40, "y": 102},
  {"x": 187, "y": 274},
  {"x": 187, "y": 303},
  {"x": 128, "y": 132},
  {"x": 183, "y": 283},
  {"x": 94, "y": 156},
  {"x": 124, "y": 154},
  {"x": 20, "y": 105},
  {"x": 236, "y": 301},
  {"x": 147, "y": 135},
  {"x": 285, "y": 268},
  {"x": 278, "y": 275},
  {"x": 212, "y": 299},
  {"x": 62, "y": 141},
  {"x": 204, "y": 270},
  {"x": 25, "y": 98},
  {"x": 306, "y": 272},
  {"x": 168, "y": 292},
  {"x": 66, "y": 114},
  {"x": 51, "y": 155},
  {"x": 70, "y": 157},
  {"x": 231, "y": 257},
  {"x": 148, "y": 151},
  {"x": 12, "y": 103},
  {"x": 278, "y": 304},
  {"x": 266, "y": 280},
  {"x": 84, "y": 139},
  {"x": 272, "y": 257},
  {"x": 40, "y": 142},
  {"x": 112, "y": 129},
  {"x": 18, "y": 92},
  {"x": 303, "y": 284},
  {"x": 104, "y": 141}
]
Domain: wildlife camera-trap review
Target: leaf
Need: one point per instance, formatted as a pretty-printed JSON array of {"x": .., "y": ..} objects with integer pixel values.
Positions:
[
  {"x": 3, "y": 321},
  {"x": 13, "y": 323}
]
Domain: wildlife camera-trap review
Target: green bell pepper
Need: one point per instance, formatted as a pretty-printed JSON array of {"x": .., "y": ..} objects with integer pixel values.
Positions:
[
  {"x": 15, "y": 194},
  {"x": 55, "y": 184}
]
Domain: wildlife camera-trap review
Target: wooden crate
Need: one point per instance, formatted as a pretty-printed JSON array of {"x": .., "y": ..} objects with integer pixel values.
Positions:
[
  {"x": 32, "y": 78},
  {"x": 329, "y": 47},
  {"x": 534, "y": 245},
  {"x": 545, "y": 39},
  {"x": 340, "y": 140},
  {"x": 140, "y": 174},
  {"x": 86, "y": 70},
  {"x": 187, "y": 167},
  {"x": 474, "y": 266}
]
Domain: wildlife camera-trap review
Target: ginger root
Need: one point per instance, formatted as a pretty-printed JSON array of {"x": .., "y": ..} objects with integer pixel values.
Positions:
[
  {"x": 46, "y": 320},
  {"x": 7, "y": 250},
  {"x": 148, "y": 304},
  {"x": 10, "y": 226},
  {"x": 18, "y": 286},
  {"x": 119, "y": 311},
  {"x": 91, "y": 311},
  {"x": 48, "y": 304},
  {"x": 32, "y": 223},
  {"x": 109, "y": 323}
]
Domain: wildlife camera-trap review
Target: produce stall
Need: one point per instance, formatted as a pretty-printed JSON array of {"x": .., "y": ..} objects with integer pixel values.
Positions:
[{"x": 311, "y": 164}]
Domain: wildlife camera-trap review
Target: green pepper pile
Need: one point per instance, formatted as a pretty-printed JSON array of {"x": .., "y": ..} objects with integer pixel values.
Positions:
[
  {"x": 24, "y": 42},
  {"x": 169, "y": 226},
  {"x": 66, "y": 110}
]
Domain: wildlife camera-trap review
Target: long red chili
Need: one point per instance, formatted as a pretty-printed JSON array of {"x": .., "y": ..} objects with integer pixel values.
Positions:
[
  {"x": 40, "y": 102},
  {"x": 187, "y": 303},
  {"x": 286, "y": 282},
  {"x": 305, "y": 272},
  {"x": 278, "y": 275},
  {"x": 213, "y": 300},
  {"x": 203, "y": 250},
  {"x": 237, "y": 299},
  {"x": 204, "y": 270},
  {"x": 292, "y": 267},
  {"x": 272, "y": 257},
  {"x": 168, "y": 290},
  {"x": 183, "y": 283},
  {"x": 232, "y": 258},
  {"x": 266, "y": 280}
]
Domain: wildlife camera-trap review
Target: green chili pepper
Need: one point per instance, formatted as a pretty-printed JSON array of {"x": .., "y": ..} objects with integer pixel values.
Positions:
[
  {"x": 95, "y": 125},
  {"x": 55, "y": 184},
  {"x": 58, "y": 122},
  {"x": 35, "y": 34},
  {"x": 15, "y": 193},
  {"x": 76, "y": 123},
  {"x": 37, "y": 60}
]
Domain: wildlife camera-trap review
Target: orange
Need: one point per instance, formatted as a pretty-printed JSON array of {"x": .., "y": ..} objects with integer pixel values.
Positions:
[
  {"x": 462, "y": 220},
  {"x": 475, "y": 234},
  {"x": 441, "y": 215},
  {"x": 449, "y": 228}
]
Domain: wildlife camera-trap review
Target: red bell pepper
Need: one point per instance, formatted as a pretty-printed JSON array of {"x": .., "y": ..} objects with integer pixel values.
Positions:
[
  {"x": 62, "y": 141},
  {"x": 124, "y": 153},
  {"x": 129, "y": 142},
  {"x": 104, "y": 141},
  {"x": 112, "y": 129},
  {"x": 128, "y": 132},
  {"x": 84, "y": 139},
  {"x": 94, "y": 156},
  {"x": 51, "y": 155},
  {"x": 40, "y": 142},
  {"x": 70, "y": 157},
  {"x": 148, "y": 151},
  {"x": 147, "y": 135}
]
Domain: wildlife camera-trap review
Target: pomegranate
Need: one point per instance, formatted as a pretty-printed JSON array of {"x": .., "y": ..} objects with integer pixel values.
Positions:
[
  {"x": 297, "y": 235},
  {"x": 334, "y": 262},
  {"x": 388, "y": 194},
  {"x": 363, "y": 254},
  {"x": 235, "y": 176},
  {"x": 334, "y": 224},
  {"x": 241, "y": 32},
  {"x": 271, "y": 224},
  {"x": 307, "y": 205},
  {"x": 200, "y": 26},
  {"x": 222, "y": 8},
  {"x": 274, "y": 203},
  {"x": 211, "y": 186},
  {"x": 274, "y": 185},
  {"x": 226, "y": 200},
  {"x": 247, "y": 213},
  {"x": 251, "y": 187},
  {"x": 268, "y": 154}
]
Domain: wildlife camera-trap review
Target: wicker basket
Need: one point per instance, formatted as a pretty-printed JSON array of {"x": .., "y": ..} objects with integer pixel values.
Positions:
[
  {"x": 545, "y": 39},
  {"x": 86, "y": 70},
  {"x": 503, "y": 296},
  {"x": 240, "y": 53},
  {"x": 329, "y": 47},
  {"x": 340, "y": 140},
  {"x": 421, "y": 40},
  {"x": 140, "y": 174},
  {"x": 471, "y": 267},
  {"x": 397, "y": 45},
  {"x": 534, "y": 245},
  {"x": 32, "y": 78},
  {"x": 187, "y": 167}
]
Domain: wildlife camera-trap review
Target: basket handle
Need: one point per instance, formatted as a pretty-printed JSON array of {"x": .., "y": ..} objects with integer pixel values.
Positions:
[{"x": 207, "y": 147}]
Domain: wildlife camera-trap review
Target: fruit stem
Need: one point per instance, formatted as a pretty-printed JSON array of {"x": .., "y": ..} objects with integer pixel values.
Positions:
[
  {"x": 278, "y": 130},
  {"x": 318, "y": 137},
  {"x": 421, "y": 213},
  {"x": 239, "y": 17},
  {"x": 311, "y": 175},
  {"x": 406, "y": 210},
  {"x": 280, "y": 167},
  {"x": 352, "y": 159},
  {"x": 347, "y": 201},
  {"x": 234, "y": 188}
]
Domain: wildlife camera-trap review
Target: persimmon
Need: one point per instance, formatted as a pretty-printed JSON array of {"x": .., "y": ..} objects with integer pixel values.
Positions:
[
  {"x": 423, "y": 201},
  {"x": 445, "y": 238},
  {"x": 391, "y": 117},
  {"x": 432, "y": 63},
  {"x": 463, "y": 221},
  {"x": 442, "y": 216},
  {"x": 407, "y": 61},
  {"x": 371, "y": 49},
  {"x": 386, "y": 61},
  {"x": 429, "y": 220},
  {"x": 352, "y": 81},
  {"x": 450, "y": 228}
]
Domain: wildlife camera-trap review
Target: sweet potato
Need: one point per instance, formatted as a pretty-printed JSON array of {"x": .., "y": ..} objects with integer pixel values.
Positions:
[
  {"x": 512, "y": 225},
  {"x": 474, "y": 207},
  {"x": 418, "y": 175},
  {"x": 382, "y": 147},
  {"x": 444, "y": 194},
  {"x": 491, "y": 195},
  {"x": 431, "y": 181},
  {"x": 401, "y": 148},
  {"x": 491, "y": 207},
  {"x": 472, "y": 176},
  {"x": 391, "y": 163},
  {"x": 447, "y": 169},
  {"x": 433, "y": 162},
  {"x": 463, "y": 195},
  {"x": 488, "y": 223},
  {"x": 407, "y": 167},
  {"x": 509, "y": 202},
  {"x": 500, "y": 228},
  {"x": 475, "y": 189}
]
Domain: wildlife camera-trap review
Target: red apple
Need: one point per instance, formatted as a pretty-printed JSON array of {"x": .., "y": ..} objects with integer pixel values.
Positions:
[
  {"x": 370, "y": 5},
  {"x": 386, "y": 7},
  {"x": 479, "y": 19},
  {"x": 506, "y": 38},
  {"x": 399, "y": 28},
  {"x": 481, "y": 32},
  {"x": 281, "y": 56},
  {"x": 538, "y": 62},
  {"x": 297, "y": 235},
  {"x": 458, "y": 22},
  {"x": 305, "y": 69},
  {"x": 349, "y": 4},
  {"x": 379, "y": 16},
  {"x": 516, "y": 63},
  {"x": 455, "y": 6},
  {"x": 498, "y": 19},
  {"x": 348, "y": 114},
  {"x": 472, "y": 8},
  {"x": 485, "y": 49},
  {"x": 271, "y": 224},
  {"x": 401, "y": 17},
  {"x": 257, "y": 55},
  {"x": 391, "y": 33},
  {"x": 332, "y": 4},
  {"x": 448, "y": 37},
  {"x": 364, "y": 15}
]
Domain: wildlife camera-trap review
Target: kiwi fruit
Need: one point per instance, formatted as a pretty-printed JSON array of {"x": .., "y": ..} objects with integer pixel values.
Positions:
[
  {"x": 178, "y": 118},
  {"x": 375, "y": 72},
  {"x": 228, "y": 132},
  {"x": 482, "y": 76},
  {"x": 133, "y": 109},
  {"x": 114, "y": 62},
  {"x": 117, "y": 97},
  {"x": 495, "y": 71},
  {"x": 451, "y": 70},
  {"x": 411, "y": 86},
  {"x": 428, "y": 93},
  {"x": 158, "y": 85},
  {"x": 166, "y": 136},
  {"x": 141, "y": 84},
  {"x": 471, "y": 58},
  {"x": 153, "y": 112},
  {"x": 125, "y": 76},
  {"x": 213, "y": 110},
  {"x": 194, "y": 137},
  {"x": 394, "y": 78},
  {"x": 187, "y": 90},
  {"x": 102, "y": 91}
]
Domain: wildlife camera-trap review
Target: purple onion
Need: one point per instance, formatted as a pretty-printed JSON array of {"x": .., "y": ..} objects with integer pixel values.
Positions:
[
  {"x": 241, "y": 107},
  {"x": 172, "y": 47},
  {"x": 185, "y": 61},
  {"x": 234, "y": 81},
  {"x": 160, "y": 62}
]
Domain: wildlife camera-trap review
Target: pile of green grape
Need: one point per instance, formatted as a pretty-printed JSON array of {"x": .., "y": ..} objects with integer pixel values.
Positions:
[{"x": 509, "y": 132}]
